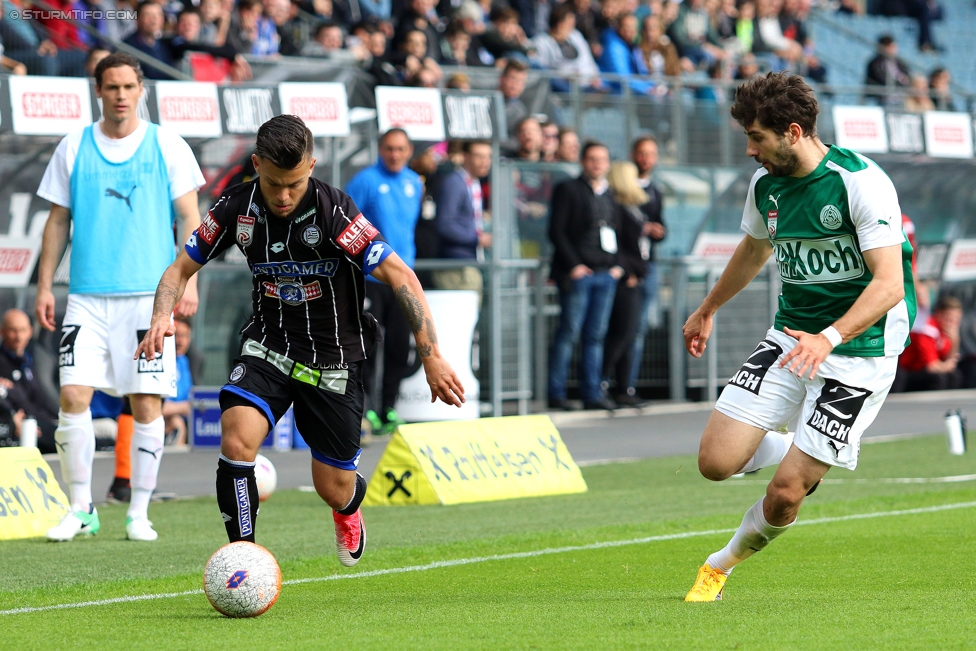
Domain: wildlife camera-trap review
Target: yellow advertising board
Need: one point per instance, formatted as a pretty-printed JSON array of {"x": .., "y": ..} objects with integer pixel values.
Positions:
[
  {"x": 453, "y": 462},
  {"x": 31, "y": 502}
]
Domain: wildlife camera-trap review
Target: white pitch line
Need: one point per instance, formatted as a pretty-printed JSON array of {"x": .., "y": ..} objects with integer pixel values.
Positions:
[
  {"x": 950, "y": 479},
  {"x": 498, "y": 557}
]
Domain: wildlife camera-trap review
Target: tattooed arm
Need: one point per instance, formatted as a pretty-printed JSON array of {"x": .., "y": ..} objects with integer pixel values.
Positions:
[
  {"x": 168, "y": 294},
  {"x": 444, "y": 383}
]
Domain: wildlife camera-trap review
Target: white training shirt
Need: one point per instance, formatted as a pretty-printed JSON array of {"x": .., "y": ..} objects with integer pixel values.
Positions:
[{"x": 184, "y": 171}]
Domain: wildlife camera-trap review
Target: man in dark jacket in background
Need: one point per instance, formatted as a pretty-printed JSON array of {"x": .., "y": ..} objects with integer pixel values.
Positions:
[
  {"x": 459, "y": 220},
  {"x": 23, "y": 395},
  {"x": 582, "y": 228}
]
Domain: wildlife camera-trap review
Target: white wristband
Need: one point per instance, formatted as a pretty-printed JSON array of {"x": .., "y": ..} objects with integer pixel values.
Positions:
[{"x": 830, "y": 332}]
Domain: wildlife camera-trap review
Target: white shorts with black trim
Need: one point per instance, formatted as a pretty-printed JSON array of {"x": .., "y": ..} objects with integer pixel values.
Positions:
[
  {"x": 100, "y": 335},
  {"x": 835, "y": 407}
]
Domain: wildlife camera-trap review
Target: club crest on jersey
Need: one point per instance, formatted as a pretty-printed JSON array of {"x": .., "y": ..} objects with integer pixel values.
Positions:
[
  {"x": 257, "y": 212},
  {"x": 293, "y": 293},
  {"x": 771, "y": 218},
  {"x": 830, "y": 217},
  {"x": 237, "y": 374},
  {"x": 245, "y": 230},
  {"x": 312, "y": 236},
  {"x": 357, "y": 235}
]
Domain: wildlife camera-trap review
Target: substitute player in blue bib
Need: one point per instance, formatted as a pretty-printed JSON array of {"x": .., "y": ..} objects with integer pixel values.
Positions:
[
  {"x": 309, "y": 250},
  {"x": 122, "y": 182}
]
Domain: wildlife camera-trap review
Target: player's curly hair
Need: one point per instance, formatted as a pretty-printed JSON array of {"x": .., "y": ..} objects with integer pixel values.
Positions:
[
  {"x": 285, "y": 141},
  {"x": 777, "y": 100}
]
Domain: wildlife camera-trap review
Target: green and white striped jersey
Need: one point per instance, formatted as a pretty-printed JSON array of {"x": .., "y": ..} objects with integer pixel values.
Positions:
[{"x": 819, "y": 225}]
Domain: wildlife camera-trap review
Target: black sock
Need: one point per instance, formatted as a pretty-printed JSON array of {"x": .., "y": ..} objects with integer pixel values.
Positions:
[
  {"x": 237, "y": 497},
  {"x": 357, "y": 497}
]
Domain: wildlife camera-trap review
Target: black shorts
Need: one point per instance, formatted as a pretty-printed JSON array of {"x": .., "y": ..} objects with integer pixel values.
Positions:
[{"x": 329, "y": 421}]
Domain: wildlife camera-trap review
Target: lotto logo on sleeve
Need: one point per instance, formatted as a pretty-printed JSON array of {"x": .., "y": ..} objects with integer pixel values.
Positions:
[
  {"x": 357, "y": 235},
  {"x": 375, "y": 254},
  {"x": 209, "y": 228}
]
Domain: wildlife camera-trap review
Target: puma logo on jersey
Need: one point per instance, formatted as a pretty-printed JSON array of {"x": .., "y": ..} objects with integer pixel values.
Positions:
[
  {"x": 110, "y": 192},
  {"x": 775, "y": 199}
]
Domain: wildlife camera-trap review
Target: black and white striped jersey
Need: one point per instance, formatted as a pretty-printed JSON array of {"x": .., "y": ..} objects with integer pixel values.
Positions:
[{"x": 308, "y": 270}]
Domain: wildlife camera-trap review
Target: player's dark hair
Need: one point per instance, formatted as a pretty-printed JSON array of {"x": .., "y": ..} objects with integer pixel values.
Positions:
[
  {"x": 469, "y": 144},
  {"x": 284, "y": 141},
  {"x": 777, "y": 100},
  {"x": 591, "y": 144},
  {"x": 392, "y": 132},
  {"x": 117, "y": 60}
]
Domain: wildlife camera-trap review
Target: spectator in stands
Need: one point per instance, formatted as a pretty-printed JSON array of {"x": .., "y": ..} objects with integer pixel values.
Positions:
[
  {"x": 266, "y": 41},
  {"x": 625, "y": 315},
  {"x": 569, "y": 146},
  {"x": 335, "y": 10},
  {"x": 214, "y": 22},
  {"x": 457, "y": 44},
  {"x": 694, "y": 35},
  {"x": 769, "y": 42},
  {"x": 511, "y": 83},
  {"x": 793, "y": 24},
  {"x": 378, "y": 9},
  {"x": 61, "y": 31},
  {"x": 529, "y": 134},
  {"x": 852, "y": 7},
  {"x": 459, "y": 81},
  {"x": 590, "y": 23},
  {"x": 534, "y": 15},
  {"x": 171, "y": 49},
  {"x": 940, "y": 87},
  {"x": 414, "y": 58},
  {"x": 725, "y": 15},
  {"x": 886, "y": 69},
  {"x": 745, "y": 27},
  {"x": 291, "y": 32},
  {"x": 582, "y": 224},
  {"x": 378, "y": 63},
  {"x": 505, "y": 38},
  {"x": 24, "y": 42},
  {"x": 918, "y": 100},
  {"x": 95, "y": 55},
  {"x": 618, "y": 55},
  {"x": 550, "y": 142},
  {"x": 23, "y": 395},
  {"x": 460, "y": 218},
  {"x": 330, "y": 42},
  {"x": 420, "y": 15},
  {"x": 656, "y": 54},
  {"x": 472, "y": 21},
  {"x": 176, "y": 410},
  {"x": 566, "y": 51},
  {"x": 929, "y": 363}
]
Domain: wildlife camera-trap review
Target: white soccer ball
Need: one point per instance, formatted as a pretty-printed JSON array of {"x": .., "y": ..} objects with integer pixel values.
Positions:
[
  {"x": 242, "y": 579},
  {"x": 266, "y": 476}
]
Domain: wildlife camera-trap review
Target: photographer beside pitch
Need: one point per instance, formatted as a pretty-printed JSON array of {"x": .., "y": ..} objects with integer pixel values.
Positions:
[
  {"x": 847, "y": 304},
  {"x": 309, "y": 249}
]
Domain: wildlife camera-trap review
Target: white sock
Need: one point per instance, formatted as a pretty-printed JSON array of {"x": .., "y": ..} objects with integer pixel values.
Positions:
[
  {"x": 147, "y": 452},
  {"x": 752, "y": 536},
  {"x": 75, "y": 438},
  {"x": 770, "y": 452}
]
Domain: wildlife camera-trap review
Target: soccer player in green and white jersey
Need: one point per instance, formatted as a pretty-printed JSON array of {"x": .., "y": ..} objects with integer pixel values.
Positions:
[{"x": 831, "y": 218}]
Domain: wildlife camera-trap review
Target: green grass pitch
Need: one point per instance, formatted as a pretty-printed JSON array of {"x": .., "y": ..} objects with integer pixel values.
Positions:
[{"x": 890, "y": 582}]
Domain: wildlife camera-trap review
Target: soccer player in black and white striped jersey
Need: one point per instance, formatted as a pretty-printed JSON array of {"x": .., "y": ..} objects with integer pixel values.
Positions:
[{"x": 309, "y": 250}]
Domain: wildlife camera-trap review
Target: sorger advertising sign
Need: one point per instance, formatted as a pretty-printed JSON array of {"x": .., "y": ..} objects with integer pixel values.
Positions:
[
  {"x": 418, "y": 111},
  {"x": 322, "y": 106},
  {"x": 861, "y": 128},
  {"x": 948, "y": 135},
  {"x": 49, "y": 106},
  {"x": 189, "y": 108}
]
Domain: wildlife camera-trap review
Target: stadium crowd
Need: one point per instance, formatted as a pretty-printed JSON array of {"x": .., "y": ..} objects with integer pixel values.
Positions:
[{"x": 409, "y": 41}]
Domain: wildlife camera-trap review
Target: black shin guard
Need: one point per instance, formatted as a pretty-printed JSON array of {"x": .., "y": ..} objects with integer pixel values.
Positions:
[
  {"x": 237, "y": 497},
  {"x": 359, "y": 493}
]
